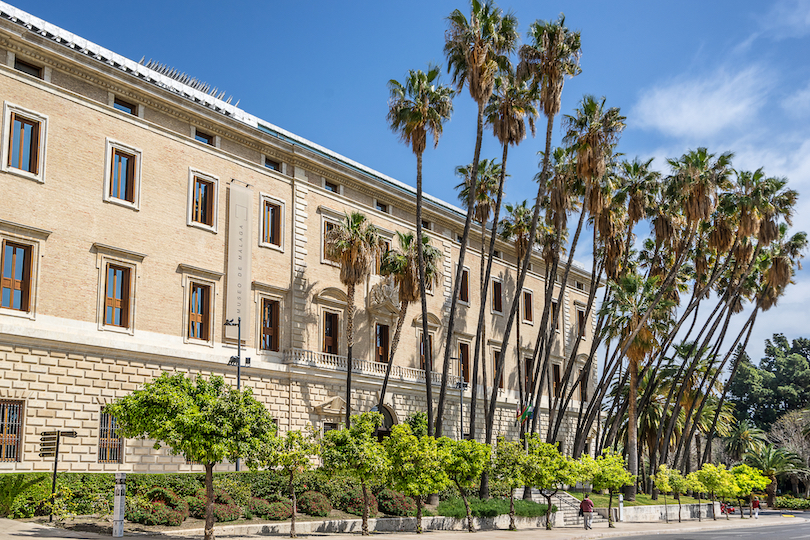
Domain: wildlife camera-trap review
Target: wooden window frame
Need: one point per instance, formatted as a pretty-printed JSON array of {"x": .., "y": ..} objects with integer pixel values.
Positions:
[
  {"x": 556, "y": 371},
  {"x": 419, "y": 349},
  {"x": 204, "y": 138},
  {"x": 382, "y": 351},
  {"x": 583, "y": 386},
  {"x": 325, "y": 314},
  {"x": 551, "y": 315},
  {"x": 123, "y": 303},
  {"x": 11, "y": 283},
  {"x": 382, "y": 207},
  {"x": 496, "y": 304},
  {"x": 272, "y": 164},
  {"x": 528, "y": 314},
  {"x": 495, "y": 357},
  {"x": 191, "y": 276},
  {"x": 266, "y": 237},
  {"x": 38, "y": 146},
  {"x": 193, "y": 218},
  {"x": 203, "y": 317},
  {"x": 107, "y": 256},
  {"x": 326, "y": 223},
  {"x": 131, "y": 199},
  {"x": 11, "y": 432},
  {"x": 464, "y": 290},
  {"x": 582, "y": 322},
  {"x": 124, "y": 106},
  {"x": 110, "y": 445},
  {"x": 327, "y": 185},
  {"x": 270, "y": 336},
  {"x": 464, "y": 365}
]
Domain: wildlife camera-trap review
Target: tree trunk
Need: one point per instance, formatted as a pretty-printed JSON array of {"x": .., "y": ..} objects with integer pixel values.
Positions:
[
  {"x": 294, "y": 503},
  {"x": 403, "y": 310},
  {"x": 610, "y": 510},
  {"x": 451, "y": 321},
  {"x": 483, "y": 491},
  {"x": 700, "y": 516},
  {"x": 666, "y": 508},
  {"x": 463, "y": 492},
  {"x": 209, "y": 501},
  {"x": 548, "y": 510},
  {"x": 365, "y": 509},
  {"x": 679, "y": 508},
  {"x": 632, "y": 430},
  {"x": 512, "y": 526},
  {"x": 349, "y": 342},
  {"x": 423, "y": 297},
  {"x": 770, "y": 490},
  {"x": 418, "y": 514}
]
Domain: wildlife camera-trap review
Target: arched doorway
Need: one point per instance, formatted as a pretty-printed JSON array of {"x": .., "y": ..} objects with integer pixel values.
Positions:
[{"x": 389, "y": 421}]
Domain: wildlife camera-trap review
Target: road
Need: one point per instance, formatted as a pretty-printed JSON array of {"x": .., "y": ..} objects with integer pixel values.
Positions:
[{"x": 794, "y": 531}]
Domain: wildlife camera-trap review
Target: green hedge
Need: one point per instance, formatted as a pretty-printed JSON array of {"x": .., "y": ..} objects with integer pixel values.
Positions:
[
  {"x": 490, "y": 508},
  {"x": 789, "y": 503}
]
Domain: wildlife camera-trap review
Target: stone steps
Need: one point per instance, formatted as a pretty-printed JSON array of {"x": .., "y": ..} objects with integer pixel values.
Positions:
[{"x": 567, "y": 507}]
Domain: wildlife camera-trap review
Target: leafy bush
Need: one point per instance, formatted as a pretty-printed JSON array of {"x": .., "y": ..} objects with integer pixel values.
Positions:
[
  {"x": 196, "y": 506},
  {"x": 490, "y": 508},
  {"x": 158, "y": 506},
  {"x": 258, "y": 507},
  {"x": 227, "y": 512},
  {"x": 352, "y": 502},
  {"x": 314, "y": 504},
  {"x": 395, "y": 503},
  {"x": 279, "y": 511},
  {"x": 789, "y": 503},
  {"x": 238, "y": 491}
]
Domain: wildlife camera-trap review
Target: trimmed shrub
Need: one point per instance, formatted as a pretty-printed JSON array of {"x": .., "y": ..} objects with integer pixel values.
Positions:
[
  {"x": 238, "y": 491},
  {"x": 279, "y": 511},
  {"x": 490, "y": 508},
  {"x": 352, "y": 502},
  {"x": 158, "y": 506},
  {"x": 227, "y": 512},
  {"x": 314, "y": 504},
  {"x": 258, "y": 507},
  {"x": 395, "y": 503},
  {"x": 789, "y": 503},
  {"x": 196, "y": 506}
]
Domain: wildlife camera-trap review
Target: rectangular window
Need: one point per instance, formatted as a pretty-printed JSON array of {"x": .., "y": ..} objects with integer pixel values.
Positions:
[
  {"x": 125, "y": 106},
  {"x": 198, "y": 312},
  {"x": 204, "y": 137},
  {"x": 557, "y": 380},
  {"x": 580, "y": 286},
  {"x": 203, "y": 202},
  {"x": 464, "y": 294},
  {"x": 327, "y": 226},
  {"x": 116, "y": 297},
  {"x": 381, "y": 339},
  {"x": 583, "y": 386},
  {"x": 464, "y": 359},
  {"x": 496, "y": 357},
  {"x": 553, "y": 309},
  {"x": 528, "y": 310},
  {"x": 23, "y": 145},
  {"x": 581, "y": 321},
  {"x": 110, "y": 445},
  {"x": 382, "y": 207},
  {"x": 270, "y": 325},
  {"x": 271, "y": 164},
  {"x": 496, "y": 254},
  {"x": 122, "y": 176},
  {"x": 330, "y": 332},
  {"x": 271, "y": 223},
  {"x": 330, "y": 426},
  {"x": 527, "y": 374},
  {"x": 422, "y": 351},
  {"x": 426, "y": 225},
  {"x": 331, "y": 186},
  {"x": 25, "y": 67},
  {"x": 11, "y": 415},
  {"x": 497, "y": 297},
  {"x": 15, "y": 285}
]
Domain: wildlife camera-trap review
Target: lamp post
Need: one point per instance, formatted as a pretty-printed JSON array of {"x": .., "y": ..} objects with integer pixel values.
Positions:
[
  {"x": 237, "y": 360},
  {"x": 461, "y": 385}
]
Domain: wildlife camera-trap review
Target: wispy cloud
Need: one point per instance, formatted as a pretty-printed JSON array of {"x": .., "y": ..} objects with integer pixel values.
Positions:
[
  {"x": 703, "y": 107},
  {"x": 788, "y": 19},
  {"x": 798, "y": 102}
]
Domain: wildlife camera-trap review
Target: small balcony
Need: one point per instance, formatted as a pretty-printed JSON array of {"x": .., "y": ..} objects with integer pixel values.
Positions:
[{"x": 335, "y": 362}]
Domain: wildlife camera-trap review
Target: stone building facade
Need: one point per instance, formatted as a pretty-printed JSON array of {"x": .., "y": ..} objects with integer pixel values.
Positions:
[{"x": 138, "y": 214}]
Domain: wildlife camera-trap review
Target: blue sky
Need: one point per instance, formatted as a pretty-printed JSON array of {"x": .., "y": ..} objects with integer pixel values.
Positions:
[{"x": 728, "y": 75}]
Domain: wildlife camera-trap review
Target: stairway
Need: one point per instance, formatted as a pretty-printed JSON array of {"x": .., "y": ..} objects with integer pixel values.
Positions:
[{"x": 567, "y": 507}]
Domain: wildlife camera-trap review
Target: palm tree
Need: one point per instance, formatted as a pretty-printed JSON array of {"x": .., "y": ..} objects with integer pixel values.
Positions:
[
  {"x": 744, "y": 438},
  {"x": 402, "y": 266},
  {"x": 633, "y": 298},
  {"x": 476, "y": 48},
  {"x": 416, "y": 109},
  {"x": 489, "y": 172},
  {"x": 773, "y": 462},
  {"x": 355, "y": 244}
]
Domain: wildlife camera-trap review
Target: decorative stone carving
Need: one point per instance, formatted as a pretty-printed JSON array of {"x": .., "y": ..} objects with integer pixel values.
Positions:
[{"x": 383, "y": 299}]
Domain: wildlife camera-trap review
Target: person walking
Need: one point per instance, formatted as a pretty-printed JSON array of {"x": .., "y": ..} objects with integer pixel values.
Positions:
[
  {"x": 586, "y": 507},
  {"x": 755, "y": 506}
]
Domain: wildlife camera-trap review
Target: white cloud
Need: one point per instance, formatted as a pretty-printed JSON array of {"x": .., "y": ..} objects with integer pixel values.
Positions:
[
  {"x": 798, "y": 103},
  {"x": 788, "y": 19},
  {"x": 703, "y": 107}
]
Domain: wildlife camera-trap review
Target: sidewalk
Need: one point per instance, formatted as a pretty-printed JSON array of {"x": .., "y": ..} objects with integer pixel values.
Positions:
[{"x": 15, "y": 530}]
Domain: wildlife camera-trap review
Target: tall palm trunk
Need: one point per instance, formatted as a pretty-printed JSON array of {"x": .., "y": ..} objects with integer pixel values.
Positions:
[
  {"x": 632, "y": 430},
  {"x": 459, "y": 270},
  {"x": 349, "y": 343},
  {"x": 423, "y": 297},
  {"x": 403, "y": 309},
  {"x": 524, "y": 267}
]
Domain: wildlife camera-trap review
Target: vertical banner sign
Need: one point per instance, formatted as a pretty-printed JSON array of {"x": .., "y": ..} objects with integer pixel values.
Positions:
[
  {"x": 119, "y": 504},
  {"x": 240, "y": 219}
]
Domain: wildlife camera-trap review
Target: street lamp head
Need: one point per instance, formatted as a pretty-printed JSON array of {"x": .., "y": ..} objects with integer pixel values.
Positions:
[
  {"x": 229, "y": 322},
  {"x": 234, "y": 361}
]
